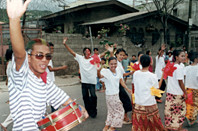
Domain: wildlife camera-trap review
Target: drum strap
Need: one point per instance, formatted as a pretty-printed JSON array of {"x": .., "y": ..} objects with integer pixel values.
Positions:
[
  {"x": 79, "y": 120},
  {"x": 53, "y": 124}
]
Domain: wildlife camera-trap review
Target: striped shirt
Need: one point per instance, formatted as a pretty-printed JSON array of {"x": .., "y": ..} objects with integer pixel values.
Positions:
[{"x": 29, "y": 96}]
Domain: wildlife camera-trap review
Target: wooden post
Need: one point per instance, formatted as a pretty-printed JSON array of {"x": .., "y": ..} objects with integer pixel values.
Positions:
[
  {"x": 2, "y": 54},
  {"x": 91, "y": 38}
]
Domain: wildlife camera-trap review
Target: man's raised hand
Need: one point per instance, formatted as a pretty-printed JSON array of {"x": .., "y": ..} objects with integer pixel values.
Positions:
[{"x": 16, "y": 8}]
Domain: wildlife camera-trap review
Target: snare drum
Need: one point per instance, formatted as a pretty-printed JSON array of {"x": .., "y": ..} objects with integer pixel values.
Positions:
[{"x": 63, "y": 119}]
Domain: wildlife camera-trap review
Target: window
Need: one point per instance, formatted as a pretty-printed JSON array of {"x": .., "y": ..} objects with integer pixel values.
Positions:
[
  {"x": 155, "y": 36},
  {"x": 175, "y": 12}
]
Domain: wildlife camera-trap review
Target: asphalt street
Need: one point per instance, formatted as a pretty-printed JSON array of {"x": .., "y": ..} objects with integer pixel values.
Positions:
[{"x": 72, "y": 87}]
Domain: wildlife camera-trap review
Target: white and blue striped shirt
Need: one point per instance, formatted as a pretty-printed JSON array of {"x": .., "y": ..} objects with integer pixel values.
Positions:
[{"x": 29, "y": 96}]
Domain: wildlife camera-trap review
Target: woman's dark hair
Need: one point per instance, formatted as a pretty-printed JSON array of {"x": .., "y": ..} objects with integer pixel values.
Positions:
[
  {"x": 192, "y": 56},
  {"x": 147, "y": 52},
  {"x": 112, "y": 58},
  {"x": 95, "y": 49},
  {"x": 8, "y": 54},
  {"x": 176, "y": 53},
  {"x": 139, "y": 53},
  {"x": 85, "y": 50},
  {"x": 51, "y": 44},
  {"x": 120, "y": 50},
  {"x": 145, "y": 60},
  {"x": 103, "y": 59},
  {"x": 170, "y": 53}
]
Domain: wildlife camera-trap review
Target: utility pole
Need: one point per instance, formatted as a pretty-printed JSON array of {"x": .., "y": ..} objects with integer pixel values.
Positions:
[{"x": 189, "y": 25}]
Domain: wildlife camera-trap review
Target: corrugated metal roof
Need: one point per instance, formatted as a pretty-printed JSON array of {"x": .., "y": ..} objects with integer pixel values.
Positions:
[
  {"x": 78, "y": 3},
  {"x": 115, "y": 19},
  {"x": 89, "y": 6}
]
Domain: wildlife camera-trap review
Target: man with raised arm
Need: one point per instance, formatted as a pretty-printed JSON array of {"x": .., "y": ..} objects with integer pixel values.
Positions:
[
  {"x": 29, "y": 89},
  {"x": 88, "y": 73}
]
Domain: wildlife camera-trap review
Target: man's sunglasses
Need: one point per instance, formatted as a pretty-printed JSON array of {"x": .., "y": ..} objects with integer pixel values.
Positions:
[{"x": 40, "y": 56}]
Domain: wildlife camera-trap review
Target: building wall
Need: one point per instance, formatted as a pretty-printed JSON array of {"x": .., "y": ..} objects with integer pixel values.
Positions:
[{"x": 72, "y": 20}]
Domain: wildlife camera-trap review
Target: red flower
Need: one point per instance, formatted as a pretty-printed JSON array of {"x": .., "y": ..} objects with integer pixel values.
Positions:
[
  {"x": 135, "y": 66},
  {"x": 95, "y": 60},
  {"x": 169, "y": 69}
]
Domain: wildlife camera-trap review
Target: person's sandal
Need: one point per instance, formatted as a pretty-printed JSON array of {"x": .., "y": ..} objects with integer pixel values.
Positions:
[{"x": 127, "y": 122}]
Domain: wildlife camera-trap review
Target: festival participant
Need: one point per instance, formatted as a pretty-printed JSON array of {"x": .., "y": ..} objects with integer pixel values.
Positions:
[
  {"x": 125, "y": 64},
  {"x": 140, "y": 66},
  {"x": 112, "y": 77},
  {"x": 29, "y": 89},
  {"x": 8, "y": 57},
  {"x": 122, "y": 94},
  {"x": 151, "y": 65},
  {"x": 160, "y": 64},
  {"x": 103, "y": 65},
  {"x": 50, "y": 69},
  {"x": 191, "y": 84},
  {"x": 88, "y": 73},
  {"x": 145, "y": 114},
  {"x": 175, "y": 106},
  {"x": 133, "y": 60}
]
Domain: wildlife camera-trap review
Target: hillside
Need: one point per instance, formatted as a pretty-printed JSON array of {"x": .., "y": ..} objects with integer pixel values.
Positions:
[{"x": 31, "y": 14}]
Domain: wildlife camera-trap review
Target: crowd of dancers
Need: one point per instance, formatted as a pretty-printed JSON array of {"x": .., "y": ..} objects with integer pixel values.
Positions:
[{"x": 27, "y": 74}]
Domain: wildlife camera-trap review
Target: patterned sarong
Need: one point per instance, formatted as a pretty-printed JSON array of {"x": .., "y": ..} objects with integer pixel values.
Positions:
[
  {"x": 115, "y": 111},
  {"x": 175, "y": 110},
  {"x": 146, "y": 118},
  {"x": 192, "y": 109}
]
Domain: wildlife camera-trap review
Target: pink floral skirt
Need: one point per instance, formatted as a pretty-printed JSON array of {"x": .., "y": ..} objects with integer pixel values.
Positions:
[
  {"x": 175, "y": 110},
  {"x": 115, "y": 111}
]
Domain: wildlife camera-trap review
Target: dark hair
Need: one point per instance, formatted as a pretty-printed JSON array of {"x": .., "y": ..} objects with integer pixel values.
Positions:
[
  {"x": 145, "y": 60},
  {"x": 133, "y": 55},
  {"x": 192, "y": 56},
  {"x": 139, "y": 53},
  {"x": 176, "y": 53},
  {"x": 95, "y": 49},
  {"x": 126, "y": 54},
  {"x": 120, "y": 50},
  {"x": 8, "y": 54},
  {"x": 51, "y": 44},
  {"x": 103, "y": 59},
  {"x": 31, "y": 43},
  {"x": 170, "y": 53},
  {"x": 147, "y": 52},
  {"x": 85, "y": 49},
  {"x": 170, "y": 47},
  {"x": 112, "y": 58}
]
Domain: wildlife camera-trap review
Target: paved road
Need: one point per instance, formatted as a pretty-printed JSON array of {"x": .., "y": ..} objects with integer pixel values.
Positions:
[{"x": 72, "y": 87}]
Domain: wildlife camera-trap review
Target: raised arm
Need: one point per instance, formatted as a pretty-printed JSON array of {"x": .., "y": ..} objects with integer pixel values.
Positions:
[
  {"x": 69, "y": 49},
  {"x": 15, "y": 10},
  {"x": 110, "y": 49},
  {"x": 57, "y": 68},
  {"x": 103, "y": 54}
]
